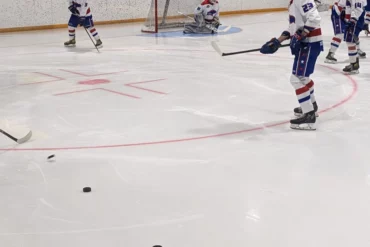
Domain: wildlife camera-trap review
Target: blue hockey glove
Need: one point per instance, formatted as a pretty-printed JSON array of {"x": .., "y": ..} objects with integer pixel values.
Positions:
[
  {"x": 74, "y": 10},
  {"x": 270, "y": 47},
  {"x": 296, "y": 42},
  {"x": 350, "y": 26}
]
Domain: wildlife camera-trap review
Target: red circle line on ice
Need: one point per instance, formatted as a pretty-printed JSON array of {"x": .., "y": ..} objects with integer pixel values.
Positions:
[{"x": 341, "y": 102}]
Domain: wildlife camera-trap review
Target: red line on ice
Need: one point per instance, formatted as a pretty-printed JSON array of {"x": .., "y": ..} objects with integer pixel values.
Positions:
[
  {"x": 93, "y": 89},
  {"x": 132, "y": 84},
  {"x": 82, "y": 74},
  {"x": 38, "y": 82},
  {"x": 341, "y": 102}
]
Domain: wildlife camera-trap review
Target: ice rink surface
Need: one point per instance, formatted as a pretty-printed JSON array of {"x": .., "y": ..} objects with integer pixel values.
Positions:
[{"x": 181, "y": 147}]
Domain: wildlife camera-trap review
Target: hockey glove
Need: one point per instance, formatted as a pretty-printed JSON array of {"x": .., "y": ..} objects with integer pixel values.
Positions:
[
  {"x": 350, "y": 26},
  {"x": 270, "y": 47},
  {"x": 74, "y": 10},
  {"x": 296, "y": 42}
]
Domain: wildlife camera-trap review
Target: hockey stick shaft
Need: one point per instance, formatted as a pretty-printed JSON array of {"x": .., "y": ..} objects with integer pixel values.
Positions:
[
  {"x": 91, "y": 39},
  {"x": 8, "y": 135},
  {"x": 246, "y": 51}
]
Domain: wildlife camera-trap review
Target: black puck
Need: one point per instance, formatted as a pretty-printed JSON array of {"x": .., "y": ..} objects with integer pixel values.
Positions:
[
  {"x": 157, "y": 246},
  {"x": 86, "y": 189},
  {"x": 51, "y": 156}
]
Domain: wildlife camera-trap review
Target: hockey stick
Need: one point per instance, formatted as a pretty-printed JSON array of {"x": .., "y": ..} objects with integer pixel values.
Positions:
[
  {"x": 19, "y": 141},
  {"x": 91, "y": 39},
  {"x": 208, "y": 25},
  {"x": 218, "y": 50}
]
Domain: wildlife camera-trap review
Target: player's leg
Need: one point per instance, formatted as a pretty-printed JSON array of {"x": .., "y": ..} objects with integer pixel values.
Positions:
[
  {"x": 72, "y": 25},
  {"x": 350, "y": 36},
  {"x": 89, "y": 25},
  {"x": 361, "y": 53},
  {"x": 304, "y": 66},
  {"x": 200, "y": 26},
  {"x": 338, "y": 27}
]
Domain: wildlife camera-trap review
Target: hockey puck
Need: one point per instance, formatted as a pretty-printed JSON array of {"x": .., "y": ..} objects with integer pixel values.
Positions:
[
  {"x": 157, "y": 246},
  {"x": 86, "y": 189},
  {"x": 51, "y": 156}
]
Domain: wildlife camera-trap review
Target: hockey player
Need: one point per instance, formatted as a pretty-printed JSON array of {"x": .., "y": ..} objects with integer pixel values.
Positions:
[
  {"x": 354, "y": 18},
  {"x": 339, "y": 25},
  {"x": 337, "y": 18},
  {"x": 81, "y": 15},
  {"x": 306, "y": 44},
  {"x": 206, "y": 17}
]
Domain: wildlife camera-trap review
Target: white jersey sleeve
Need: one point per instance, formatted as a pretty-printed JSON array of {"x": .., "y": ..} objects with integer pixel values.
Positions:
[{"x": 82, "y": 6}]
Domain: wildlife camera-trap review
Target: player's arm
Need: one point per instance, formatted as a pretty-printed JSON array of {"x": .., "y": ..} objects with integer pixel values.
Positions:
[
  {"x": 309, "y": 10},
  {"x": 73, "y": 8}
]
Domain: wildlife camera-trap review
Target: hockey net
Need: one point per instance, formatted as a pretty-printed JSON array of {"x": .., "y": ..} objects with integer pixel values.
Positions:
[{"x": 164, "y": 14}]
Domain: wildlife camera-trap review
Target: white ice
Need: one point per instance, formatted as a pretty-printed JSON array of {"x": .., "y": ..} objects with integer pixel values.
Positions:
[{"x": 198, "y": 155}]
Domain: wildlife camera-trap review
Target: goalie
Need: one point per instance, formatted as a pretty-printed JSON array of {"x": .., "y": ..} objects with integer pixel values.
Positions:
[{"x": 206, "y": 18}]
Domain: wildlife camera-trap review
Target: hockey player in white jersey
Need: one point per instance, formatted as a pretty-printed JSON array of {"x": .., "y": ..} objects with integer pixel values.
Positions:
[
  {"x": 206, "y": 17},
  {"x": 81, "y": 15},
  {"x": 306, "y": 44},
  {"x": 337, "y": 18},
  {"x": 354, "y": 18}
]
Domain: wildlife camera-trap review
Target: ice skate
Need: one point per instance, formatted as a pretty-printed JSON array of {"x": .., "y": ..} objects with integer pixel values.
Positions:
[
  {"x": 353, "y": 68},
  {"x": 70, "y": 43},
  {"x": 361, "y": 53},
  {"x": 99, "y": 44},
  {"x": 330, "y": 58},
  {"x": 298, "y": 110},
  {"x": 305, "y": 122}
]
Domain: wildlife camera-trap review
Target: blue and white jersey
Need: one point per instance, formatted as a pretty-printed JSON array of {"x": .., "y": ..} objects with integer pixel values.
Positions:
[
  {"x": 303, "y": 15},
  {"x": 355, "y": 10}
]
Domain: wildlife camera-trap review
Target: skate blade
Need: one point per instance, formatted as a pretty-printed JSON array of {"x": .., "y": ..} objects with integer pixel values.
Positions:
[
  {"x": 352, "y": 72},
  {"x": 298, "y": 115},
  {"x": 330, "y": 61},
  {"x": 69, "y": 45},
  {"x": 99, "y": 46},
  {"x": 310, "y": 126}
]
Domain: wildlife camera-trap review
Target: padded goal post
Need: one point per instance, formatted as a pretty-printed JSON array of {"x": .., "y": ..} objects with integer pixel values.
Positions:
[{"x": 164, "y": 14}]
